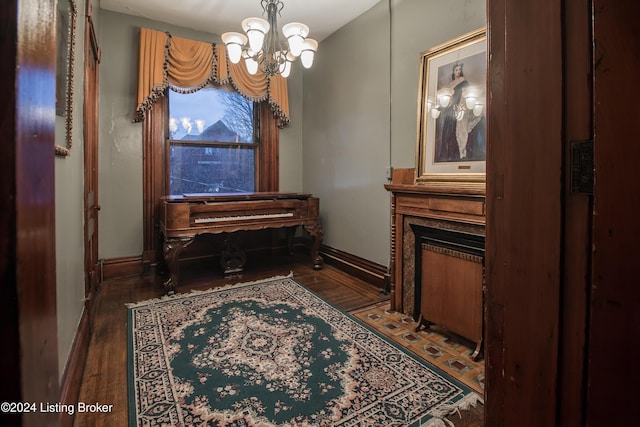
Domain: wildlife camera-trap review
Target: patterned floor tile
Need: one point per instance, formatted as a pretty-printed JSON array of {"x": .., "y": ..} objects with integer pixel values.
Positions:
[{"x": 448, "y": 353}]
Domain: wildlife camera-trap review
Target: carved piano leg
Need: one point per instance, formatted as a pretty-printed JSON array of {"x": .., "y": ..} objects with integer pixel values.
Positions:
[
  {"x": 172, "y": 248},
  {"x": 315, "y": 230}
]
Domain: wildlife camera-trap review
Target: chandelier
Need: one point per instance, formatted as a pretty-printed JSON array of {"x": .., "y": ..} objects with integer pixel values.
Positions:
[{"x": 261, "y": 47}]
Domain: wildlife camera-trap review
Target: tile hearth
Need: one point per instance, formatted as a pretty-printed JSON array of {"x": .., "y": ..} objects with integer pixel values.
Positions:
[{"x": 448, "y": 353}]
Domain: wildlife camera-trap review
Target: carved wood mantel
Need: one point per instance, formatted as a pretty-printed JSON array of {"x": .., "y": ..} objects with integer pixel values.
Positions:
[{"x": 443, "y": 207}]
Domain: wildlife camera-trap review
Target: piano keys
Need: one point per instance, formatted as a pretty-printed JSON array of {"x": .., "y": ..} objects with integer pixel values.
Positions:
[{"x": 187, "y": 216}]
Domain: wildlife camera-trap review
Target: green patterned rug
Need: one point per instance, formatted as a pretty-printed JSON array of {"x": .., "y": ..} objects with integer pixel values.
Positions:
[{"x": 273, "y": 353}]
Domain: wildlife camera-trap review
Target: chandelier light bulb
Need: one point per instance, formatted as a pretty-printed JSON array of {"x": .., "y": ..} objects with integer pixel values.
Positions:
[
  {"x": 256, "y": 29},
  {"x": 286, "y": 64},
  {"x": 285, "y": 69},
  {"x": 234, "y": 43},
  {"x": 309, "y": 48},
  {"x": 173, "y": 125},
  {"x": 295, "y": 32},
  {"x": 430, "y": 103},
  {"x": 477, "y": 109},
  {"x": 470, "y": 102},
  {"x": 250, "y": 63},
  {"x": 435, "y": 113},
  {"x": 444, "y": 96},
  {"x": 290, "y": 60}
]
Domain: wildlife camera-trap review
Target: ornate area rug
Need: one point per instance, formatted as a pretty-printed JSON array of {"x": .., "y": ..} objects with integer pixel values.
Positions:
[{"x": 273, "y": 353}]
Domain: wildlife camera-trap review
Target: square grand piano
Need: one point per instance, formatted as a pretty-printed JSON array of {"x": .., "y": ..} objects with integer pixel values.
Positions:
[{"x": 187, "y": 216}]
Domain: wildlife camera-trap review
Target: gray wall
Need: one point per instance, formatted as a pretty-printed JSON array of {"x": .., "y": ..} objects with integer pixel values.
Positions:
[
  {"x": 346, "y": 135},
  {"x": 360, "y": 113},
  {"x": 419, "y": 25}
]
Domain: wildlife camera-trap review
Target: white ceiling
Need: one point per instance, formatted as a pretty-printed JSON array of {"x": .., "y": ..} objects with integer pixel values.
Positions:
[{"x": 218, "y": 16}]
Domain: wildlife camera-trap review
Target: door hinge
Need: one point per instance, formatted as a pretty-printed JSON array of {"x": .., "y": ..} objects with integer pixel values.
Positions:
[{"x": 582, "y": 168}]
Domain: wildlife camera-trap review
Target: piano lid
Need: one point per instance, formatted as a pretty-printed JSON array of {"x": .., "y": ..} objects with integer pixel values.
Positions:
[{"x": 203, "y": 197}]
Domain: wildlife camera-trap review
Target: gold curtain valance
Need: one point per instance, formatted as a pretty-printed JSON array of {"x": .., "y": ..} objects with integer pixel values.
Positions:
[{"x": 188, "y": 65}]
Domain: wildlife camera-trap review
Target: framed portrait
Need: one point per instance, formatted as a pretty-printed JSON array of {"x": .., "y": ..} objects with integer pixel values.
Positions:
[{"x": 451, "y": 143}]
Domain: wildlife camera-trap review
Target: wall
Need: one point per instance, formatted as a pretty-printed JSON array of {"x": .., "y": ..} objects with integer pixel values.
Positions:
[
  {"x": 69, "y": 187},
  {"x": 360, "y": 113},
  {"x": 121, "y": 231},
  {"x": 346, "y": 135}
]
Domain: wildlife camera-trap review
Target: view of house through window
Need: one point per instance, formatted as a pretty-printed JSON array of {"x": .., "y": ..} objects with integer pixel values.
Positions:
[{"x": 213, "y": 140}]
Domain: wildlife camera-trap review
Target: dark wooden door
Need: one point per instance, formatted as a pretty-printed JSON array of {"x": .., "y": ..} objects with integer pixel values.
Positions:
[
  {"x": 563, "y": 301},
  {"x": 614, "y": 326},
  {"x": 28, "y": 318},
  {"x": 91, "y": 203}
]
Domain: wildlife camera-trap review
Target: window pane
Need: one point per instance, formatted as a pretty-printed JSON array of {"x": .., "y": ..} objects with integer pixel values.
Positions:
[
  {"x": 210, "y": 114},
  {"x": 203, "y": 169}
]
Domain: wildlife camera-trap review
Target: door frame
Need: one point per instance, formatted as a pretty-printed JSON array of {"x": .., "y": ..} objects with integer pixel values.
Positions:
[{"x": 91, "y": 204}]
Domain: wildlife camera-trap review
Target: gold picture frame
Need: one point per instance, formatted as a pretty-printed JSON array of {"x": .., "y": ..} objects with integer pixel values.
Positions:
[{"x": 451, "y": 128}]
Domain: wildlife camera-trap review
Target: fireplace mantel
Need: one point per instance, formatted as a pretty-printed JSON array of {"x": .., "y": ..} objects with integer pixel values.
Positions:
[{"x": 443, "y": 207}]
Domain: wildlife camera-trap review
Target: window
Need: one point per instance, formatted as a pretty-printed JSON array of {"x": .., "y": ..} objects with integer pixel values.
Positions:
[{"x": 213, "y": 142}]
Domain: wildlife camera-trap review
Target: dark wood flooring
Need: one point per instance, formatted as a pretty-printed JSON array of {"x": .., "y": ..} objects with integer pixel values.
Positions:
[{"x": 105, "y": 375}]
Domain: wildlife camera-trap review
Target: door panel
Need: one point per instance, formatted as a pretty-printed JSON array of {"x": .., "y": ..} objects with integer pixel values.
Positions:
[{"x": 614, "y": 327}]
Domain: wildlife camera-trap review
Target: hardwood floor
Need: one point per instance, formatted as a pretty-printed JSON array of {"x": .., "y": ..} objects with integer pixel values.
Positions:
[{"x": 105, "y": 375}]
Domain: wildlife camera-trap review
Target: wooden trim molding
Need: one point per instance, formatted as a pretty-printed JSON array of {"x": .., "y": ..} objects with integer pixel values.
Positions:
[
  {"x": 115, "y": 268},
  {"x": 267, "y": 154},
  {"x": 74, "y": 370},
  {"x": 153, "y": 179},
  {"x": 361, "y": 268}
]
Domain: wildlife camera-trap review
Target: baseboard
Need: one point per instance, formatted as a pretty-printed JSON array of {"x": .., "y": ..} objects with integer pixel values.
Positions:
[
  {"x": 122, "y": 267},
  {"x": 72, "y": 377},
  {"x": 361, "y": 268}
]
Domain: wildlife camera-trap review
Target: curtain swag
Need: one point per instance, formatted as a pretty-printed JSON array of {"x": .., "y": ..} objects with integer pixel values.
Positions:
[{"x": 186, "y": 66}]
